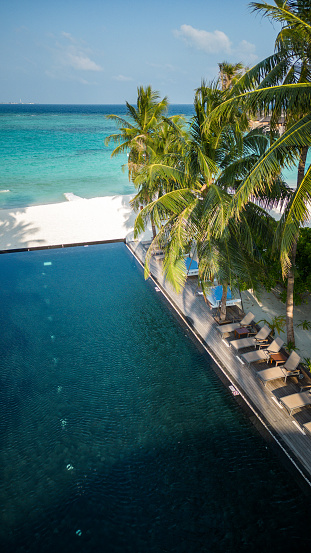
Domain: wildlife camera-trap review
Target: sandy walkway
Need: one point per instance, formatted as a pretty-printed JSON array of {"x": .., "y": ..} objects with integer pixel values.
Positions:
[{"x": 269, "y": 306}]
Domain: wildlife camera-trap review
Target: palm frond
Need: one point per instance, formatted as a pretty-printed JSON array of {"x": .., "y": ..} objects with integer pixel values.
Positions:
[
  {"x": 260, "y": 177},
  {"x": 295, "y": 216}
]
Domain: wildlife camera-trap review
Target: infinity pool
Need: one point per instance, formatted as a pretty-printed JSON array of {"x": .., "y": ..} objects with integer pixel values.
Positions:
[{"x": 116, "y": 433}]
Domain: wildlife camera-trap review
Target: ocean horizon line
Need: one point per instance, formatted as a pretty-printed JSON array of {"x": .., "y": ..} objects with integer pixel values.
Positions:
[{"x": 81, "y": 104}]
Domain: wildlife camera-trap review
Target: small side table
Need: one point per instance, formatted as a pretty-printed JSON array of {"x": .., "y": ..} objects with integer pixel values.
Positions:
[
  {"x": 240, "y": 332},
  {"x": 279, "y": 358}
]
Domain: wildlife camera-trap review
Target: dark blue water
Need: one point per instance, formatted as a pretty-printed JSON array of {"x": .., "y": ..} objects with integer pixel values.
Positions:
[
  {"x": 116, "y": 434},
  {"x": 83, "y": 109}
]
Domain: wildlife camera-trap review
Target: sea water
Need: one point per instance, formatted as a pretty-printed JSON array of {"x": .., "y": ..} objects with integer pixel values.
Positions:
[
  {"x": 49, "y": 150},
  {"x": 116, "y": 434}
]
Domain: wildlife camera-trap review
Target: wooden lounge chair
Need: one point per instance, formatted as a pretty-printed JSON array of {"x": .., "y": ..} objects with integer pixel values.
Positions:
[
  {"x": 295, "y": 401},
  {"x": 282, "y": 371},
  {"x": 307, "y": 427},
  {"x": 246, "y": 321},
  {"x": 261, "y": 337},
  {"x": 263, "y": 354}
]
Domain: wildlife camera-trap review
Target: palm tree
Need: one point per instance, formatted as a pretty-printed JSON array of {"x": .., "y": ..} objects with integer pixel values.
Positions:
[
  {"x": 162, "y": 145},
  {"x": 297, "y": 53},
  {"x": 138, "y": 132},
  {"x": 195, "y": 216},
  {"x": 279, "y": 85},
  {"x": 229, "y": 73}
]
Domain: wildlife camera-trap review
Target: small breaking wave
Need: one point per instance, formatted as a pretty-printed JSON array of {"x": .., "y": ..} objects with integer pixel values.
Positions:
[
  {"x": 72, "y": 197},
  {"x": 3, "y": 191}
]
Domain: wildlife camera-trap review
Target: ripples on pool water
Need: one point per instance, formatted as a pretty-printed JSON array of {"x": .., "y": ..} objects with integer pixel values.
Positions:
[{"x": 116, "y": 434}]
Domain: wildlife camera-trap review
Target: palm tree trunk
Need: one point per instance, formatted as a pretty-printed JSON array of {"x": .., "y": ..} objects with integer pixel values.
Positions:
[
  {"x": 291, "y": 273},
  {"x": 290, "y": 297},
  {"x": 154, "y": 230},
  {"x": 223, "y": 304}
]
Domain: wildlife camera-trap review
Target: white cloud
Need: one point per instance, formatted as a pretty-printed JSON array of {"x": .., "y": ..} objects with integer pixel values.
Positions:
[
  {"x": 69, "y": 36},
  {"x": 79, "y": 60},
  {"x": 70, "y": 56},
  {"x": 122, "y": 78},
  {"x": 166, "y": 66},
  {"x": 245, "y": 51},
  {"x": 210, "y": 42}
]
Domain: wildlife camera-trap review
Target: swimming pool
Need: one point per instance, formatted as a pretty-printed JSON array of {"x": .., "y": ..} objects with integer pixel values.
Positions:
[{"x": 116, "y": 433}]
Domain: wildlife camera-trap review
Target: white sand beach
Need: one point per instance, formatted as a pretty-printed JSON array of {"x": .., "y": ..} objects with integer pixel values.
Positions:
[{"x": 70, "y": 222}]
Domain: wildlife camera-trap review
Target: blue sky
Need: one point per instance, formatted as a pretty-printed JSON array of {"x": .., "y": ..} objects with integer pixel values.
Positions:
[{"x": 98, "y": 52}]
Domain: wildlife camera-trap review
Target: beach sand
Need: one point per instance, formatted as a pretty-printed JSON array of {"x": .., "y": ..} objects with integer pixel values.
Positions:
[
  {"x": 268, "y": 305},
  {"x": 71, "y": 222}
]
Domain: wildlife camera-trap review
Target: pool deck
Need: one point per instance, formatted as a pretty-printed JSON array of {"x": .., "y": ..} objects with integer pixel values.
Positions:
[{"x": 286, "y": 430}]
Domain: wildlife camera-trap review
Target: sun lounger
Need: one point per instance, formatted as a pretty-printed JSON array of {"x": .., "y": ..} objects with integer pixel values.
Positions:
[
  {"x": 275, "y": 373},
  {"x": 263, "y": 354},
  {"x": 191, "y": 266},
  {"x": 226, "y": 329},
  {"x": 295, "y": 401},
  {"x": 260, "y": 337},
  {"x": 307, "y": 427},
  {"x": 214, "y": 295},
  {"x": 282, "y": 371}
]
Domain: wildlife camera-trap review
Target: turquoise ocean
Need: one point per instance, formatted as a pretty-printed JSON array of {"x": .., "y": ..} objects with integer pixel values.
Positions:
[{"x": 49, "y": 150}]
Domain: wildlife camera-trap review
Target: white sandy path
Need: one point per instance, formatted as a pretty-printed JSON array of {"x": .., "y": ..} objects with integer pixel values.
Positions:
[
  {"x": 269, "y": 306},
  {"x": 79, "y": 221}
]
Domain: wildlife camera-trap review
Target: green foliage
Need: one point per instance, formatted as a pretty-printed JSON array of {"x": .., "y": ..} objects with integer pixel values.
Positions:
[
  {"x": 305, "y": 325},
  {"x": 272, "y": 277},
  {"x": 307, "y": 363},
  {"x": 277, "y": 324},
  {"x": 303, "y": 258},
  {"x": 290, "y": 346}
]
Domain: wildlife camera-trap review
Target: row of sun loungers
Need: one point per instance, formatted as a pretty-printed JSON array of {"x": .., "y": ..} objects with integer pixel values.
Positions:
[{"x": 289, "y": 368}]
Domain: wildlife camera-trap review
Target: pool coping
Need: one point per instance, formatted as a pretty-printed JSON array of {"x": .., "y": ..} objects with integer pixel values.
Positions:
[{"x": 60, "y": 246}]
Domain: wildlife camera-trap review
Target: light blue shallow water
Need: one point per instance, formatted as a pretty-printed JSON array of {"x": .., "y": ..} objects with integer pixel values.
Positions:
[
  {"x": 46, "y": 151},
  {"x": 116, "y": 434}
]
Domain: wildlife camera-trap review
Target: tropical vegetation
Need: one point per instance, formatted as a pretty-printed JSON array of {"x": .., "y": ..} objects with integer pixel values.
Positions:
[{"x": 207, "y": 185}]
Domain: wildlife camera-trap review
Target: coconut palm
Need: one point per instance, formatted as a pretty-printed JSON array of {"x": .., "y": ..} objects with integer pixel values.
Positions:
[
  {"x": 195, "y": 216},
  {"x": 229, "y": 73},
  {"x": 162, "y": 145},
  {"x": 294, "y": 45},
  {"x": 137, "y": 133},
  {"x": 280, "y": 85}
]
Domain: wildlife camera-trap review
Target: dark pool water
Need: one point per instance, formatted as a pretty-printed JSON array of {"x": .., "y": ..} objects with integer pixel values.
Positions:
[{"x": 116, "y": 434}]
